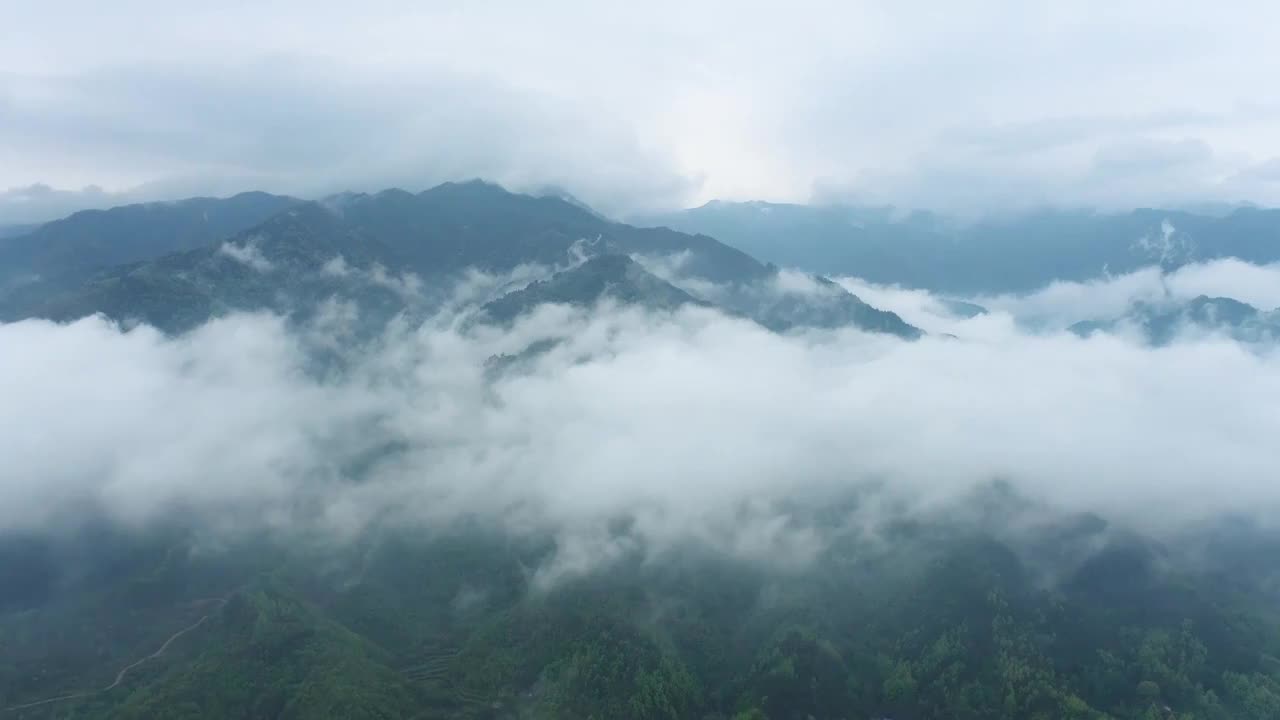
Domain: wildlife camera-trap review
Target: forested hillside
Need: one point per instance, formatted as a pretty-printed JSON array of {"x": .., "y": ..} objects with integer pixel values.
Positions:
[{"x": 1073, "y": 620}]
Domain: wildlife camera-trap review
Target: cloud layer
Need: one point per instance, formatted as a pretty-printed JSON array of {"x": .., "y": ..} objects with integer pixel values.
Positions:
[
  {"x": 689, "y": 426},
  {"x": 640, "y": 107}
]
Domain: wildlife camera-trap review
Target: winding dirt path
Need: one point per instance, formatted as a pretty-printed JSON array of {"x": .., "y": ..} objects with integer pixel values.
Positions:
[{"x": 120, "y": 676}]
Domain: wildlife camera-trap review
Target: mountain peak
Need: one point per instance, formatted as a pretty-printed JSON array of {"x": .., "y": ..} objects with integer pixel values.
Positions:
[{"x": 473, "y": 188}]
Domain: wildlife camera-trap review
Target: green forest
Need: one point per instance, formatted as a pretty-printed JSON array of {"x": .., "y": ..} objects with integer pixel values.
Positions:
[{"x": 1071, "y": 619}]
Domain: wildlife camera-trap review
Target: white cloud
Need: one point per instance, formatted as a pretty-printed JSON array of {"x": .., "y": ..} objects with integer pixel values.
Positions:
[
  {"x": 1257, "y": 285},
  {"x": 695, "y": 426},
  {"x": 336, "y": 267},
  {"x": 918, "y": 307},
  {"x": 795, "y": 282},
  {"x": 1061, "y": 304},
  {"x": 247, "y": 254}
]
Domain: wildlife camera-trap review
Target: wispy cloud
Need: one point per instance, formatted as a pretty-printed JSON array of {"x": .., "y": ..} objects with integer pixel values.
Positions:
[{"x": 246, "y": 253}]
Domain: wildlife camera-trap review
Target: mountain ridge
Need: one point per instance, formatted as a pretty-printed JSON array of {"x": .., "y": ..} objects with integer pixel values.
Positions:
[
  {"x": 1015, "y": 253},
  {"x": 430, "y": 237}
]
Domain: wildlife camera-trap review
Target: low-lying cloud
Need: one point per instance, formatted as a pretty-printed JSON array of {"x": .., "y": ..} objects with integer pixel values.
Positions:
[
  {"x": 1063, "y": 303},
  {"x": 690, "y": 426},
  {"x": 247, "y": 254}
]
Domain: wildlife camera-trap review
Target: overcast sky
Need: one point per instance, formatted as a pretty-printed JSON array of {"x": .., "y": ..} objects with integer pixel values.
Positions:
[{"x": 637, "y": 106}]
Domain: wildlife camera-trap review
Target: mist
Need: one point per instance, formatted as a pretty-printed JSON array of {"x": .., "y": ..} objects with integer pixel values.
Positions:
[
  {"x": 1058, "y": 305},
  {"x": 689, "y": 426}
]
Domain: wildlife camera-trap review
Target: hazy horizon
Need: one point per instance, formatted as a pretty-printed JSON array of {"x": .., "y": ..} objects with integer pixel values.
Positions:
[{"x": 990, "y": 107}]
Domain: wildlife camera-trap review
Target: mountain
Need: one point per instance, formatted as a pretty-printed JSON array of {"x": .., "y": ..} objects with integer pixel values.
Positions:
[
  {"x": 940, "y": 621},
  {"x": 368, "y": 247},
  {"x": 1160, "y": 322},
  {"x": 823, "y": 304},
  {"x": 613, "y": 277},
  {"x": 91, "y": 240},
  {"x": 785, "y": 302},
  {"x": 292, "y": 262},
  {"x": 479, "y": 224},
  {"x": 998, "y": 254},
  {"x": 58, "y": 257},
  {"x": 822, "y": 605}
]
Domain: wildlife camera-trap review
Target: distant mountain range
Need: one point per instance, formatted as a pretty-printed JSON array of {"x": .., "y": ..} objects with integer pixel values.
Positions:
[
  {"x": 176, "y": 265},
  {"x": 88, "y": 241},
  {"x": 1011, "y": 254}
]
